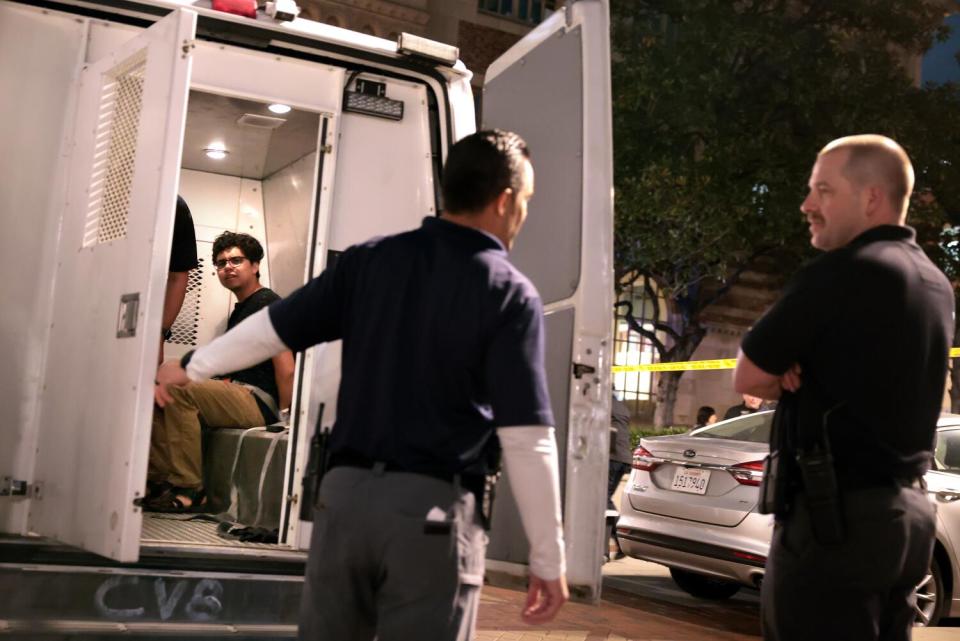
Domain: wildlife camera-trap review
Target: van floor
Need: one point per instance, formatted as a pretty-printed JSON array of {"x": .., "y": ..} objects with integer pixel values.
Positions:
[{"x": 181, "y": 529}]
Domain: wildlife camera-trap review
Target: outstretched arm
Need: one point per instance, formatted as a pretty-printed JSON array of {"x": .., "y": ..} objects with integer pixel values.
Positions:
[{"x": 252, "y": 341}]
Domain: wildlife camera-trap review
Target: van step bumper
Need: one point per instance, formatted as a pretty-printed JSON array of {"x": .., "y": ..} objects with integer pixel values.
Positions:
[
  {"x": 82, "y": 629},
  {"x": 97, "y": 601}
]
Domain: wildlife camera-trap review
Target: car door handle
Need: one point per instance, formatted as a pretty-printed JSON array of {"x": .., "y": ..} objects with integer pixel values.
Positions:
[{"x": 948, "y": 496}]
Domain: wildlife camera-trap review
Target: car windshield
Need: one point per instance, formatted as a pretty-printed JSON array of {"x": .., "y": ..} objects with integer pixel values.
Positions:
[
  {"x": 947, "y": 452},
  {"x": 754, "y": 428}
]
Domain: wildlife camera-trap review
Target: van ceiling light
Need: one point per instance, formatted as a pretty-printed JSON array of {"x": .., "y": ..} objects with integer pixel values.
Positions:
[
  {"x": 277, "y": 108},
  {"x": 216, "y": 151},
  {"x": 412, "y": 45},
  {"x": 370, "y": 98}
]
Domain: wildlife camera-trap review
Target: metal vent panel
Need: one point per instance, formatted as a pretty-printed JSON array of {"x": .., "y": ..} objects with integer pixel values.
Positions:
[
  {"x": 260, "y": 122},
  {"x": 115, "y": 151},
  {"x": 186, "y": 327}
]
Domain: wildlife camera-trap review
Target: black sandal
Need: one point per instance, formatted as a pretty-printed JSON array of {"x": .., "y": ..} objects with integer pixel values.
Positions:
[
  {"x": 171, "y": 501},
  {"x": 155, "y": 489}
]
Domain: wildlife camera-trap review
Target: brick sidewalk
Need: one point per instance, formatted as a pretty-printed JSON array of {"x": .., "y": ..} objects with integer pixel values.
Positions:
[{"x": 630, "y": 618}]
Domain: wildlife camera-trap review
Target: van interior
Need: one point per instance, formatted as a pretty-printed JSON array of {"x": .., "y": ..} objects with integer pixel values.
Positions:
[{"x": 245, "y": 168}]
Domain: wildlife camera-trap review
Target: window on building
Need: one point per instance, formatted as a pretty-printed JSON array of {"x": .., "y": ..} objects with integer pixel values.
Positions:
[
  {"x": 531, "y": 11},
  {"x": 631, "y": 348}
]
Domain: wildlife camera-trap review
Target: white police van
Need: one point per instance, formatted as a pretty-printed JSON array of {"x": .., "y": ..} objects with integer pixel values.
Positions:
[{"x": 109, "y": 110}]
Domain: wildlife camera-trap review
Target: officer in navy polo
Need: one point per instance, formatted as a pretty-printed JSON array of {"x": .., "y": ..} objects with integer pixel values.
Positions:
[
  {"x": 860, "y": 338},
  {"x": 443, "y": 365}
]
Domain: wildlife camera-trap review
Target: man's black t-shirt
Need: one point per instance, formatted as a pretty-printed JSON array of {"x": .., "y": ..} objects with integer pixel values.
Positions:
[
  {"x": 183, "y": 254},
  {"x": 870, "y": 325},
  {"x": 442, "y": 343},
  {"x": 262, "y": 374}
]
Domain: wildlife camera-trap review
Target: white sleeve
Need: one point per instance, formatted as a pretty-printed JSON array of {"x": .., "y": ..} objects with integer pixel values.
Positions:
[
  {"x": 252, "y": 341},
  {"x": 530, "y": 457}
]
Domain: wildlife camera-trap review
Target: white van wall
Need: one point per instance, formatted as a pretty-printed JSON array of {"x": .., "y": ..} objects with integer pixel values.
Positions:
[
  {"x": 41, "y": 53},
  {"x": 287, "y": 202}
]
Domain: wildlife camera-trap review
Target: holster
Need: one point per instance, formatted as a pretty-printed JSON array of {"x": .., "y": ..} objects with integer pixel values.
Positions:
[
  {"x": 780, "y": 476},
  {"x": 491, "y": 476},
  {"x": 822, "y": 496},
  {"x": 800, "y": 463},
  {"x": 318, "y": 461}
]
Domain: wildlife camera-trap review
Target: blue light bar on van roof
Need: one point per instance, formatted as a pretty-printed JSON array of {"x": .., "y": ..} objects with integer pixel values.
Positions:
[{"x": 411, "y": 45}]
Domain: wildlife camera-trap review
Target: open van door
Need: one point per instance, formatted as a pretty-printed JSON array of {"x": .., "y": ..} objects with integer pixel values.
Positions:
[
  {"x": 116, "y": 225},
  {"x": 553, "y": 88}
]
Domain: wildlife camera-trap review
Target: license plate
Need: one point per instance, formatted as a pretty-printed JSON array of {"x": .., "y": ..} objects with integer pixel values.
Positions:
[{"x": 690, "y": 480}]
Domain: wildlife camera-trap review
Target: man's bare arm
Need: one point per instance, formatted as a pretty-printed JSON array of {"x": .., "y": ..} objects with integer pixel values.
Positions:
[{"x": 173, "y": 297}]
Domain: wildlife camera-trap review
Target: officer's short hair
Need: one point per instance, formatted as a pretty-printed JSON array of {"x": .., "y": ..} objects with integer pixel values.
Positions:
[
  {"x": 879, "y": 160},
  {"x": 250, "y": 246},
  {"x": 479, "y": 167}
]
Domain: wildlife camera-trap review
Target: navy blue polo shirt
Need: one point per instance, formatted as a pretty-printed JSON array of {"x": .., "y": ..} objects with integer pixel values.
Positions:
[
  {"x": 870, "y": 325},
  {"x": 442, "y": 343}
]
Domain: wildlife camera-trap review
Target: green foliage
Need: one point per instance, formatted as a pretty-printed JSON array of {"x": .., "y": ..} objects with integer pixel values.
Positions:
[
  {"x": 644, "y": 431},
  {"x": 720, "y": 107}
]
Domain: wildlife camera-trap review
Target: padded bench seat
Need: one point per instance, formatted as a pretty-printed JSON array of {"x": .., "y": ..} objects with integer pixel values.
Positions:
[{"x": 258, "y": 477}]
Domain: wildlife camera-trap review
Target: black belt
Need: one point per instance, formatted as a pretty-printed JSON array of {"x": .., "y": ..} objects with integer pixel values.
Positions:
[{"x": 349, "y": 459}]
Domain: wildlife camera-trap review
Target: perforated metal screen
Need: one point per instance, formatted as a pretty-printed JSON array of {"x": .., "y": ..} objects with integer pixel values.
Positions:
[
  {"x": 121, "y": 99},
  {"x": 187, "y": 324}
]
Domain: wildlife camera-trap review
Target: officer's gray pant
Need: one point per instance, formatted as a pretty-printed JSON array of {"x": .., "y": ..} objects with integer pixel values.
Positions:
[
  {"x": 393, "y": 555},
  {"x": 860, "y": 590}
]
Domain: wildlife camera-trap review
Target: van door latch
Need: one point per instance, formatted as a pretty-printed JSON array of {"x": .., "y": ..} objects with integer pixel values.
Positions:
[
  {"x": 16, "y": 488},
  {"x": 579, "y": 369}
]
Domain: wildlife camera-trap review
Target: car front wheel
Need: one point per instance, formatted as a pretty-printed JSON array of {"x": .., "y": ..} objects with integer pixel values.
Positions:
[
  {"x": 702, "y": 586},
  {"x": 930, "y": 597}
]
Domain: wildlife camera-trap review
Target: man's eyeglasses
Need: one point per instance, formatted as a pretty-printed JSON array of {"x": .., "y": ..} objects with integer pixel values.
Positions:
[{"x": 233, "y": 260}]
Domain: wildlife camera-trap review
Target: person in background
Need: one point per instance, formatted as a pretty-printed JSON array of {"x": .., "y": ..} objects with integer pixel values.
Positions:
[
  {"x": 621, "y": 458},
  {"x": 749, "y": 405},
  {"x": 706, "y": 415}
]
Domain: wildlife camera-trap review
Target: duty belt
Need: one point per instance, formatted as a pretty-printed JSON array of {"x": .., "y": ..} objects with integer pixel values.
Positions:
[{"x": 472, "y": 482}]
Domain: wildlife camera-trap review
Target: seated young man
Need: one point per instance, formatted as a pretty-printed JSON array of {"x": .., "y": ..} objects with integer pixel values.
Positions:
[{"x": 248, "y": 398}]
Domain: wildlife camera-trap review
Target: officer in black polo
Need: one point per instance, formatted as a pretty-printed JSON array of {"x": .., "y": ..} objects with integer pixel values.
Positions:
[
  {"x": 861, "y": 336},
  {"x": 442, "y": 367}
]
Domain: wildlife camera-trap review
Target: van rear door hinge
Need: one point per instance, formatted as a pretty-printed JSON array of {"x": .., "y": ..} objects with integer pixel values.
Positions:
[
  {"x": 326, "y": 149},
  {"x": 16, "y": 488}
]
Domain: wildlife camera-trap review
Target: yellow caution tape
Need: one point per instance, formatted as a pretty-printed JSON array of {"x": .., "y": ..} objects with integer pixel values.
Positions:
[
  {"x": 686, "y": 366},
  {"x": 720, "y": 363}
]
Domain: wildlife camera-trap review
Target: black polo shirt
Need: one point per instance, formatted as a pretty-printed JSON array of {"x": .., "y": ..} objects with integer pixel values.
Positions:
[
  {"x": 871, "y": 326},
  {"x": 442, "y": 342}
]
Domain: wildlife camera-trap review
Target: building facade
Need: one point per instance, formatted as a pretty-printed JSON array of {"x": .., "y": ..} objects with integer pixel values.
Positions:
[{"x": 482, "y": 29}]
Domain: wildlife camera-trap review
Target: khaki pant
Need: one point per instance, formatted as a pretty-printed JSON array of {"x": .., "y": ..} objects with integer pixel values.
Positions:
[{"x": 175, "y": 455}]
